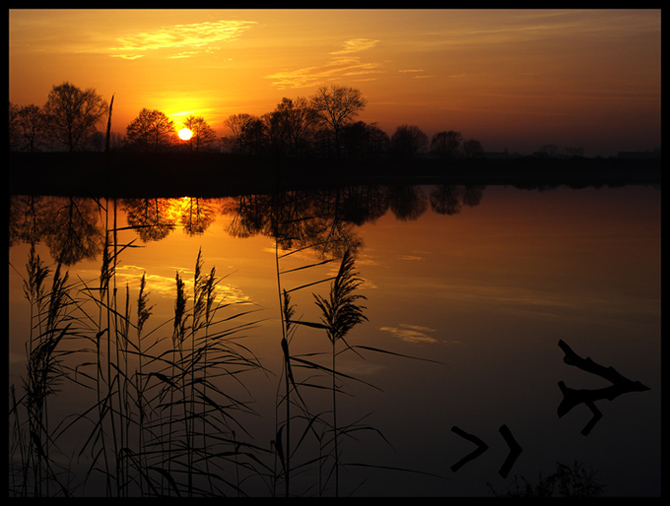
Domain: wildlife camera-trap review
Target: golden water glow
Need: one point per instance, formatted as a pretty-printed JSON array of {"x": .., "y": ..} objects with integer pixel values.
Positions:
[{"x": 488, "y": 291}]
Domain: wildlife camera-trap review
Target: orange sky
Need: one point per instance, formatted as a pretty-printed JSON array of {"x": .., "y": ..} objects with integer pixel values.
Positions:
[{"x": 515, "y": 79}]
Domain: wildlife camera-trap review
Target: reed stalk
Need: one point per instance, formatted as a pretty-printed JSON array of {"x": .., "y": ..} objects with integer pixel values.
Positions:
[
  {"x": 210, "y": 296},
  {"x": 284, "y": 310},
  {"x": 194, "y": 426},
  {"x": 291, "y": 396},
  {"x": 48, "y": 325},
  {"x": 171, "y": 426},
  {"x": 178, "y": 336},
  {"x": 340, "y": 313},
  {"x": 143, "y": 314}
]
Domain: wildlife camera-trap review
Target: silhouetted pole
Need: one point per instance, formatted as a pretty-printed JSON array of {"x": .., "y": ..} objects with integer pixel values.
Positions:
[{"x": 109, "y": 125}]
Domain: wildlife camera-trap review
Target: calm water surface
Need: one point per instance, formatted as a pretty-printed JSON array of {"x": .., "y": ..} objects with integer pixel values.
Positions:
[{"x": 483, "y": 282}]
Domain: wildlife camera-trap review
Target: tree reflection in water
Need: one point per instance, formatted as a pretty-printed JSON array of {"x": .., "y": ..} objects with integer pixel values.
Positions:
[
  {"x": 69, "y": 226},
  {"x": 75, "y": 229},
  {"x": 324, "y": 220},
  {"x": 151, "y": 218}
]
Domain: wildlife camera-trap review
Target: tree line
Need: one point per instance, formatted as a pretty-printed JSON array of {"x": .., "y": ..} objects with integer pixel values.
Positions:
[{"x": 324, "y": 124}]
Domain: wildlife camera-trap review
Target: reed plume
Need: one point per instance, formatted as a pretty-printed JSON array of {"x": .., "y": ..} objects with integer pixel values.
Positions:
[{"x": 341, "y": 312}]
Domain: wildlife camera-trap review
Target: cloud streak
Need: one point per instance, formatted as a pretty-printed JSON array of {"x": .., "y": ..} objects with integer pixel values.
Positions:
[
  {"x": 355, "y": 45},
  {"x": 342, "y": 65},
  {"x": 411, "y": 333},
  {"x": 184, "y": 40}
]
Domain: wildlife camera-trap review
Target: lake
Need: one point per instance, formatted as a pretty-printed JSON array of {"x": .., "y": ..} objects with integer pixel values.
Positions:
[{"x": 450, "y": 383}]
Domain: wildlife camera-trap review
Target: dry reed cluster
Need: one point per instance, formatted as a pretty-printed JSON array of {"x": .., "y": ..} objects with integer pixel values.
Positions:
[{"x": 166, "y": 410}]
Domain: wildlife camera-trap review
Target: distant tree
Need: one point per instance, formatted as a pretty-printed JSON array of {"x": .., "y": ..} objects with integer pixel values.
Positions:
[
  {"x": 472, "y": 148},
  {"x": 228, "y": 144},
  {"x": 236, "y": 123},
  {"x": 95, "y": 142},
  {"x": 550, "y": 150},
  {"x": 254, "y": 136},
  {"x": 33, "y": 126},
  {"x": 335, "y": 107},
  {"x": 445, "y": 144},
  {"x": 27, "y": 128},
  {"x": 574, "y": 152},
  {"x": 14, "y": 127},
  {"x": 378, "y": 140},
  {"x": 203, "y": 134},
  {"x": 408, "y": 140},
  {"x": 116, "y": 140},
  {"x": 72, "y": 114},
  {"x": 362, "y": 140},
  {"x": 290, "y": 125},
  {"x": 151, "y": 130},
  {"x": 354, "y": 139}
]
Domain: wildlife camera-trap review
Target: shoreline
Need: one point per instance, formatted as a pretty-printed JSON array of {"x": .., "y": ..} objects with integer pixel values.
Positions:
[{"x": 123, "y": 174}]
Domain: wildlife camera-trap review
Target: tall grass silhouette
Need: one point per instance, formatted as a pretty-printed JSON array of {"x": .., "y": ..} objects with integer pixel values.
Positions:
[
  {"x": 49, "y": 314},
  {"x": 162, "y": 421},
  {"x": 341, "y": 311},
  {"x": 166, "y": 403}
]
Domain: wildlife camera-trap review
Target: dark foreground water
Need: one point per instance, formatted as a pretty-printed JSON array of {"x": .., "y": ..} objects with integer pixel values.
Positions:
[{"x": 453, "y": 383}]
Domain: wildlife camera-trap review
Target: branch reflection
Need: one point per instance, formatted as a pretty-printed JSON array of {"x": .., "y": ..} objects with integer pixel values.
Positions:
[
  {"x": 69, "y": 226},
  {"x": 323, "y": 220},
  {"x": 573, "y": 397}
]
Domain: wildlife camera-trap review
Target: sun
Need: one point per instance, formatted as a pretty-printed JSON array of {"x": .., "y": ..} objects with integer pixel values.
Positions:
[{"x": 185, "y": 134}]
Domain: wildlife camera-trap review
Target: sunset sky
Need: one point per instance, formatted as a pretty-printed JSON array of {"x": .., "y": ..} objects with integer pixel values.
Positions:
[{"x": 515, "y": 79}]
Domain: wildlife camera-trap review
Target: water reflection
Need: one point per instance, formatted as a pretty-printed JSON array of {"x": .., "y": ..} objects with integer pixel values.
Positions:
[
  {"x": 334, "y": 221},
  {"x": 514, "y": 449},
  {"x": 572, "y": 397},
  {"x": 324, "y": 220},
  {"x": 77, "y": 229},
  {"x": 448, "y": 199},
  {"x": 70, "y": 227},
  {"x": 153, "y": 219}
]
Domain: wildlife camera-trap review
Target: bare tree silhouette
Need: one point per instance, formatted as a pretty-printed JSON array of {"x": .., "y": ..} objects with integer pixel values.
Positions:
[
  {"x": 445, "y": 144},
  {"x": 151, "y": 130},
  {"x": 335, "y": 107},
  {"x": 203, "y": 136},
  {"x": 72, "y": 114},
  {"x": 408, "y": 140}
]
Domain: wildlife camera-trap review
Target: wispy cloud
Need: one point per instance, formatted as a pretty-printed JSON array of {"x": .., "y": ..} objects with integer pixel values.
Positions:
[
  {"x": 409, "y": 257},
  {"x": 127, "y": 56},
  {"x": 415, "y": 73},
  {"x": 182, "y": 41},
  {"x": 411, "y": 333},
  {"x": 355, "y": 45},
  {"x": 342, "y": 65},
  {"x": 184, "y": 54}
]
